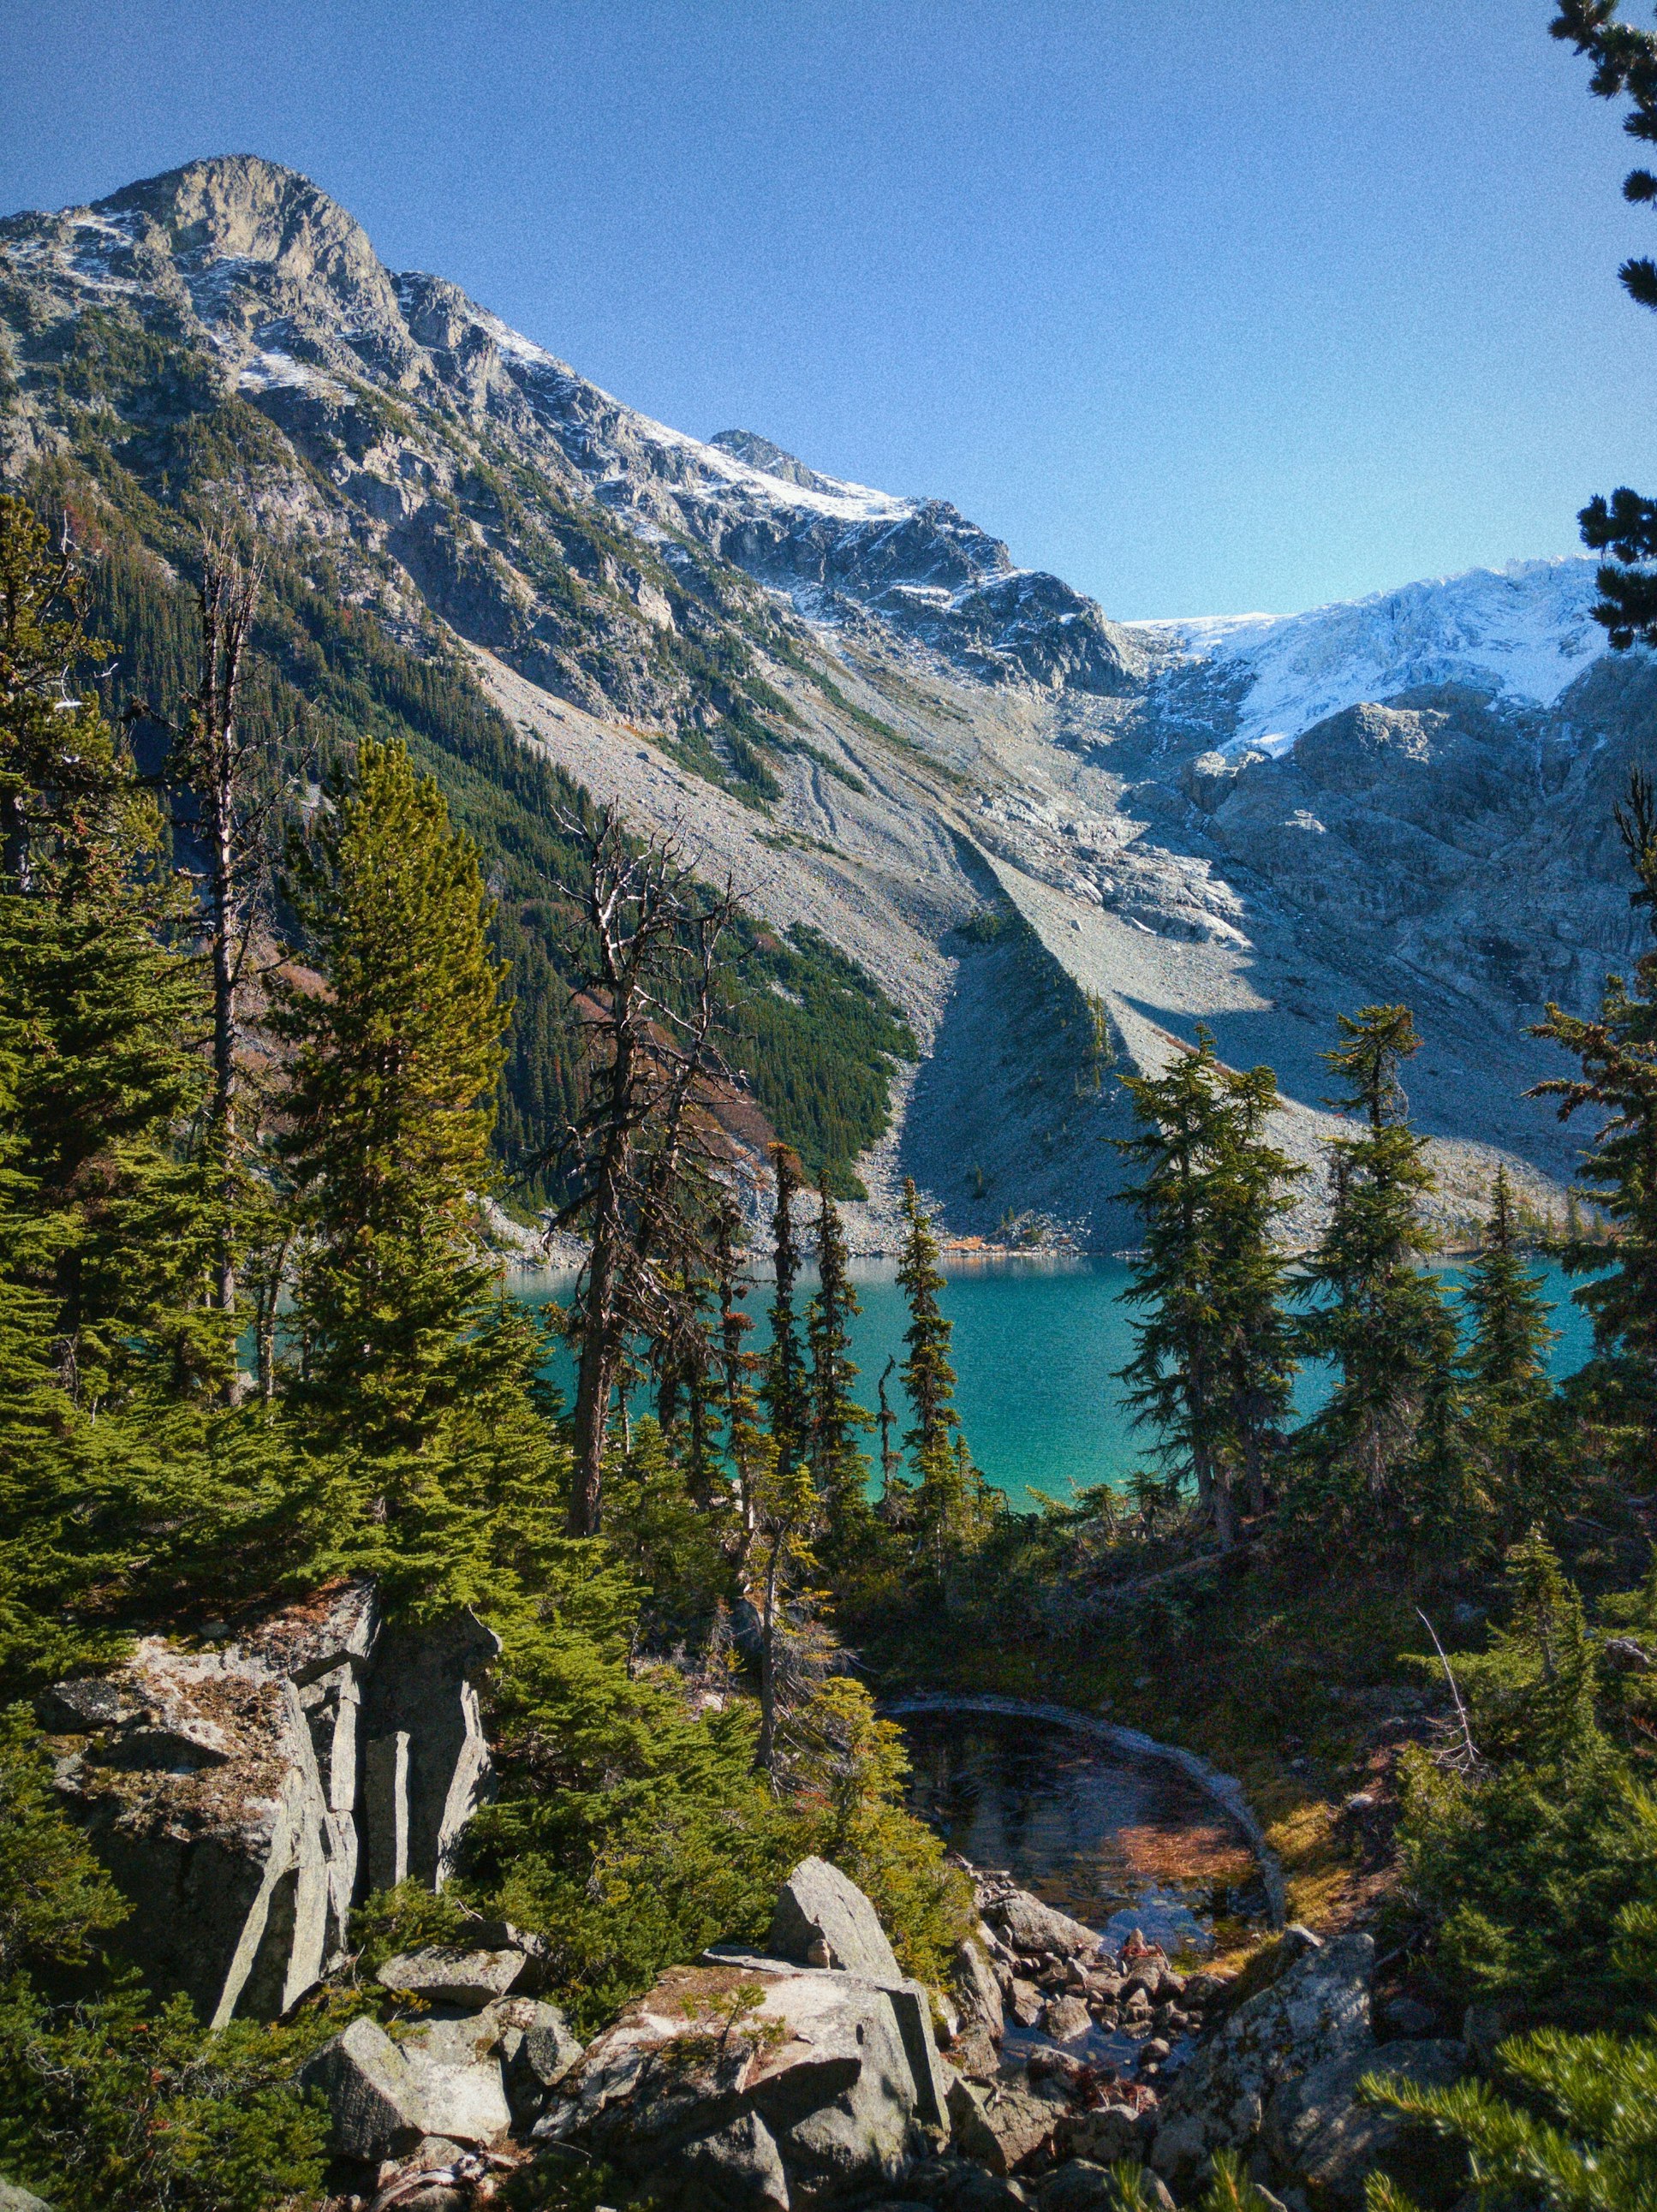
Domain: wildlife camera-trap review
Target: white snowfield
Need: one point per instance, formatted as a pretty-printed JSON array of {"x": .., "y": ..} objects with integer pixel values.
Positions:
[{"x": 1524, "y": 630}]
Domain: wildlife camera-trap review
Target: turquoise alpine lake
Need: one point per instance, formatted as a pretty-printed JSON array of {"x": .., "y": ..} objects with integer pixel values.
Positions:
[{"x": 1036, "y": 1346}]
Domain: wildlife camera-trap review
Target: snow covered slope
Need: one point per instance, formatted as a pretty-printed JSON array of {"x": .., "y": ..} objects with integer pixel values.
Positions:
[{"x": 1523, "y": 632}]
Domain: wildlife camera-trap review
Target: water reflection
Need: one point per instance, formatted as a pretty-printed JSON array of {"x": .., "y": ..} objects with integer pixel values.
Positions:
[{"x": 1120, "y": 1845}]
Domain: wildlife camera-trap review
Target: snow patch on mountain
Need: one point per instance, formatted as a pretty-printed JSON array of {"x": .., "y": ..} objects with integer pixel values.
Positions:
[{"x": 1523, "y": 632}]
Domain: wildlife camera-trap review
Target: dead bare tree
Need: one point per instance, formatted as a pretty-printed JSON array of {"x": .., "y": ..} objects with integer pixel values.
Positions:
[
  {"x": 638, "y": 1159},
  {"x": 216, "y": 767}
]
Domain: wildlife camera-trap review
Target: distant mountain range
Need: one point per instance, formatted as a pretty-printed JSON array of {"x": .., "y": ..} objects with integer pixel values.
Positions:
[{"x": 1058, "y": 841}]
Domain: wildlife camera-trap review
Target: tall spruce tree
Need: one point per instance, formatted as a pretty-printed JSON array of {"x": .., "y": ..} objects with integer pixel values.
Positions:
[
  {"x": 785, "y": 1390},
  {"x": 1377, "y": 1313},
  {"x": 1511, "y": 1398},
  {"x": 1213, "y": 1366},
  {"x": 396, "y": 1061},
  {"x": 950, "y": 1504},
  {"x": 838, "y": 1467},
  {"x": 102, "y": 1013},
  {"x": 107, "y": 1354}
]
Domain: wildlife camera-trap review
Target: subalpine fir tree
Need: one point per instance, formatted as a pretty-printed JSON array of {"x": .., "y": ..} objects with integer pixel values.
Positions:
[
  {"x": 391, "y": 1106},
  {"x": 99, "y": 1008},
  {"x": 1213, "y": 1365},
  {"x": 1377, "y": 1313},
  {"x": 838, "y": 1469},
  {"x": 951, "y": 1504},
  {"x": 1617, "y": 1050},
  {"x": 784, "y": 1373},
  {"x": 107, "y": 1353},
  {"x": 1510, "y": 1417},
  {"x": 928, "y": 1377}
]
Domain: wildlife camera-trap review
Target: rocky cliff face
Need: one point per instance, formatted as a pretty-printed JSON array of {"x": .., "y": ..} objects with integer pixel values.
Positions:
[
  {"x": 861, "y": 707},
  {"x": 246, "y": 1786}
]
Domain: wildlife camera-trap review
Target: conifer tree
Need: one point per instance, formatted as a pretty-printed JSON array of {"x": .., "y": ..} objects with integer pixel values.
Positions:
[
  {"x": 1625, "y": 526},
  {"x": 59, "y": 764},
  {"x": 928, "y": 1377},
  {"x": 99, "y": 1011},
  {"x": 1617, "y": 1051},
  {"x": 1379, "y": 1316},
  {"x": 1213, "y": 1366},
  {"x": 784, "y": 1373},
  {"x": 950, "y": 1505},
  {"x": 391, "y": 1106},
  {"x": 1505, "y": 1369},
  {"x": 838, "y": 1467}
]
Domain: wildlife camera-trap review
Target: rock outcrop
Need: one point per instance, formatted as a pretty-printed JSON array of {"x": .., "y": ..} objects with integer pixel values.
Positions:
[
  {"x": 1314, "y": 2015},
  {"x": 246, "y": 1786},
  {"x": 768, "y": 2080}
]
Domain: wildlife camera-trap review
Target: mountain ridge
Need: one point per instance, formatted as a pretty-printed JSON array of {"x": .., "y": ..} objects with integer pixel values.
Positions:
[{"x": 860, "y": 704}]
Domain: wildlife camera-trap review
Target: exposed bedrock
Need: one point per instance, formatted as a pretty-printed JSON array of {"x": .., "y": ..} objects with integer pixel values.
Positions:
[{"x": 244, "y": 1786}]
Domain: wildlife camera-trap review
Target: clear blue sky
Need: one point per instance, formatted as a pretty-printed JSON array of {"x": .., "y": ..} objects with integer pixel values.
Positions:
[{"x": 1207, "y": 305}]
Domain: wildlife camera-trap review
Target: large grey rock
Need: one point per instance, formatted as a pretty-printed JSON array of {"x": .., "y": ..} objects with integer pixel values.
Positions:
[
  {"x": 1005, "y": 2129},
  {"x": 217, "y": 1783},
  {"x": 1319, "y": 2134},
  {"x": 423, "y": 1684},
  {"x": 821, "y": 2058},
  {"x": 822, "y": 1918},
  {"x": 374, "y": 2099},
  {"x": 1317, "y": 2011},
  {"x": 446, "y": 1975},
  {"x": 222, "y": 1782},
  {"x": 737, "y": 2167},
  {"x": 1030, "y": 1926},
  {"x": 1104, "y": 2135},
  {"x": 537, "y": 2049},
  {"x": 15, "y": 2199},
  {"x": 460, "y": 2084},
  {"x": 978, "y": 1990}
]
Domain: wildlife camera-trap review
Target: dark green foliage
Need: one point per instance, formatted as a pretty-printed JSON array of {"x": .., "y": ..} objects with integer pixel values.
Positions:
[
  {"x": 785, "y": 1391},
  {"x": 1624, "y": 62},
  {"x": 1213, "y": 1367},
  {"x": 1513, "y": 1432},
  {"x": 1617, "y": 1050},
  {"x": 838, "y": 1469},
  {"x": 390, "y": 1108},
  {"x": 1536, "y": 1871},
  {"x": 950, "y": 1506},
  {"x": 106, "y": 2101},
  {"x": 111, "y": 2103},
  {"x": 1374, "y": 1452},
  {"x": 1570, "y": 2124}
]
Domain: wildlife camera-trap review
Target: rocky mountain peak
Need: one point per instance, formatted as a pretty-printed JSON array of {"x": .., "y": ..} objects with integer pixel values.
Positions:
[
  {"x": 759, "y": 453},
  {"x": 241, "y": 207}
]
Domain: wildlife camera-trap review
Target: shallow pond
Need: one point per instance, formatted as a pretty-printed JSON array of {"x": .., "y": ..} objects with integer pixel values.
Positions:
[{"x": 1120, "y": 1844}]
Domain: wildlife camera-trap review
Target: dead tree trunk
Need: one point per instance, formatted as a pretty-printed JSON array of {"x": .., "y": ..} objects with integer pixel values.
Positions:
[
  {"x": 217, "y": 770},
  {"x": 648, "y": 1004}
]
